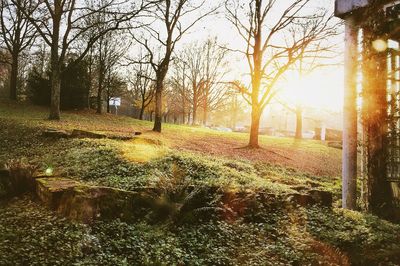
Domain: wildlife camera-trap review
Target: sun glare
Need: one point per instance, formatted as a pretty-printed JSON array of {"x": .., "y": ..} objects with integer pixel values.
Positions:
[{"x": 321, "y": 90}]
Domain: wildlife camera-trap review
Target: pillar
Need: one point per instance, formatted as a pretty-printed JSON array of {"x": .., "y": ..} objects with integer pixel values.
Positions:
[{"x": 349, "y": 157}]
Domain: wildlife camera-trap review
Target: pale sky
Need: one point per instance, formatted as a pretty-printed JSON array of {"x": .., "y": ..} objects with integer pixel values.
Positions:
[{"x": 321, "y": 89}]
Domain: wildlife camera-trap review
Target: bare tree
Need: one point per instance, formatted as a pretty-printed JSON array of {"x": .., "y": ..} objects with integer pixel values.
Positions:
[
  {"x": 215, "y": 69},
  {"x": 175, "y": 18},
  {"x": 109, "y": 50},
  {"x": 179, "y": 84},
  {"x": 203, "y": 67},
  {"x": 320, "y": 53},
  {"x": 143, "y": 87},
  {"x": 17, "y": 34},
  {"x": 62, "y": 23},
  {"x": 272, "y": 47},
  {"x": 192, "y": 57}
]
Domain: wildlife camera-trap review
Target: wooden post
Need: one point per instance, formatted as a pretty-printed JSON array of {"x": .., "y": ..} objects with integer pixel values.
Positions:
[{"x": 349, "y": 159}]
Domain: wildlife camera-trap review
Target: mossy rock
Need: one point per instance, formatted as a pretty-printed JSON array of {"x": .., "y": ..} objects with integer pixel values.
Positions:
[
  {"x": 87, "y": 204},
  {"x": 50, "y": 190}
]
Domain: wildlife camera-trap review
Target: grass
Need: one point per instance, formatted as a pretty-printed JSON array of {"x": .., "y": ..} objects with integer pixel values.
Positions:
[{"x": 274, "y": 234}]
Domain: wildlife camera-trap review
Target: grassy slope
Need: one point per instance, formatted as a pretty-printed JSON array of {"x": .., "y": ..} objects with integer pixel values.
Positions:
[{"x": 281, "y": 235}]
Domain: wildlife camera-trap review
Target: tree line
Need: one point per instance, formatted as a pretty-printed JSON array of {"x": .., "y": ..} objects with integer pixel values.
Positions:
[{"x": 66, "y": 51}]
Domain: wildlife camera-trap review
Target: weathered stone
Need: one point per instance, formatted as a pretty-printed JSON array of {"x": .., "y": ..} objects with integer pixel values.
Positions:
[
  {"x": 311, "y": 197},
  {"x": 321, "y": 197},
  {"x": 300, "y": 199},
  {"x": 77, "y": 133},
  {"x": 50, "y": 190},
  {"x": 55, "y": 133},
  {"x": 86, "y": 204}
]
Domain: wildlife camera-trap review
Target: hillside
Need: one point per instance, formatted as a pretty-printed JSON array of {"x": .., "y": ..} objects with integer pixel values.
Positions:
[{"x": 273, "y": 232}]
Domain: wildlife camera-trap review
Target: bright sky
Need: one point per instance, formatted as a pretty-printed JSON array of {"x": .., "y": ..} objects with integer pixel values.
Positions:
[{"x": 321, "y": 89}]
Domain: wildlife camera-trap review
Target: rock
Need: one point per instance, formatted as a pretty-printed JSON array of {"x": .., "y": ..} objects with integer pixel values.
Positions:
[
  {"x": 300, "y": 199},
  {"x": 76, "y": 133},
  {"x": 137, "y": 133},
  {"x": 85, "y": 203},
  {"x": 50, "y": 190},
  {"x": 89, "y": 203},
  {"x": 311, "y": 197},
  {"x": 321, "y": 197},
  {"x": 55, "y": 133}
]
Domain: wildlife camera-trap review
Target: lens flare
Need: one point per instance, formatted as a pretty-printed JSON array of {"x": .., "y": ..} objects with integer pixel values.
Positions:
[
  {"x": 49, "y": 171},
  {"x": 379, "y": 45}
]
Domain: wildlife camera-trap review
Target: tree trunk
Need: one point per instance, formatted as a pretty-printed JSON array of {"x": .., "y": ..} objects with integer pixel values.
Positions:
[
  {"x": 55, "y": 91},
  {"x": 99, "y": 99},
  {"x": 151, "y": 116},
  {"x": 14, "y": 76},
  {"x": 205, "y": 110},
  {"x": 160, "y": 76},
  {"x": 100, "y": 92},
  {"x": 183, "y": 110},
  {"x": 108, "y": 102},
  {"x": 158, "y": 111},
  {"x": 194, "y": 111},
  {"x": 255, "y": 126},
  {"x": 141, "y": 111},
  {"x": 55, "y": 64},
  {"x": 299, "y": 123}
]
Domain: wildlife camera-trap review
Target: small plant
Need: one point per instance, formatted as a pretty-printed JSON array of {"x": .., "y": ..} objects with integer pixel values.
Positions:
[
  {"x": 174, "y": 197},
  {"x": 21, "y": 175}
]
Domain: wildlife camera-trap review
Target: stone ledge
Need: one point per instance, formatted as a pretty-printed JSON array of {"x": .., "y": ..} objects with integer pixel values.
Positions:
[{"x": 85, "y": 203}]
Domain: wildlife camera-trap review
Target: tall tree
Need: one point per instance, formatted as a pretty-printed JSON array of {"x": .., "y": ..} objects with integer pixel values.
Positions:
[
  {"x": 169, "y": 21},
  {"x": 17, "y": 34},
  {"x": 215, "y": 69},
  {"x": 109, "y": 50},
  {"x": 62, "y": 23},
  {"x": 204, "y": 66},
  {"x": 271, "y": 47}
]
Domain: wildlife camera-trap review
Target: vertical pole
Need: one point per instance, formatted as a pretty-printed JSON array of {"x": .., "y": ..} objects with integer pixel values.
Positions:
[{"x": 349, "y": 159}]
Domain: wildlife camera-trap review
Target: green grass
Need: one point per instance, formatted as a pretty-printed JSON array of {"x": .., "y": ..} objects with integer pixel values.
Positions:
[{"x": 274, "y": 233}]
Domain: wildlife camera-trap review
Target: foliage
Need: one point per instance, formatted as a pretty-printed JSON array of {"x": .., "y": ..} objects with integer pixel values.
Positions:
[
  {"x": 74, "y": 86},
  {"x": 375, "y": 240},
  {"x": 270, "y": 232},
  {"x": 283, "y": 238}
]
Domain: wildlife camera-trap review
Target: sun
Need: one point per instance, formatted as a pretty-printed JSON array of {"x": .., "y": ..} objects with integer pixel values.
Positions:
[{"x": 321, "y": 89}]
